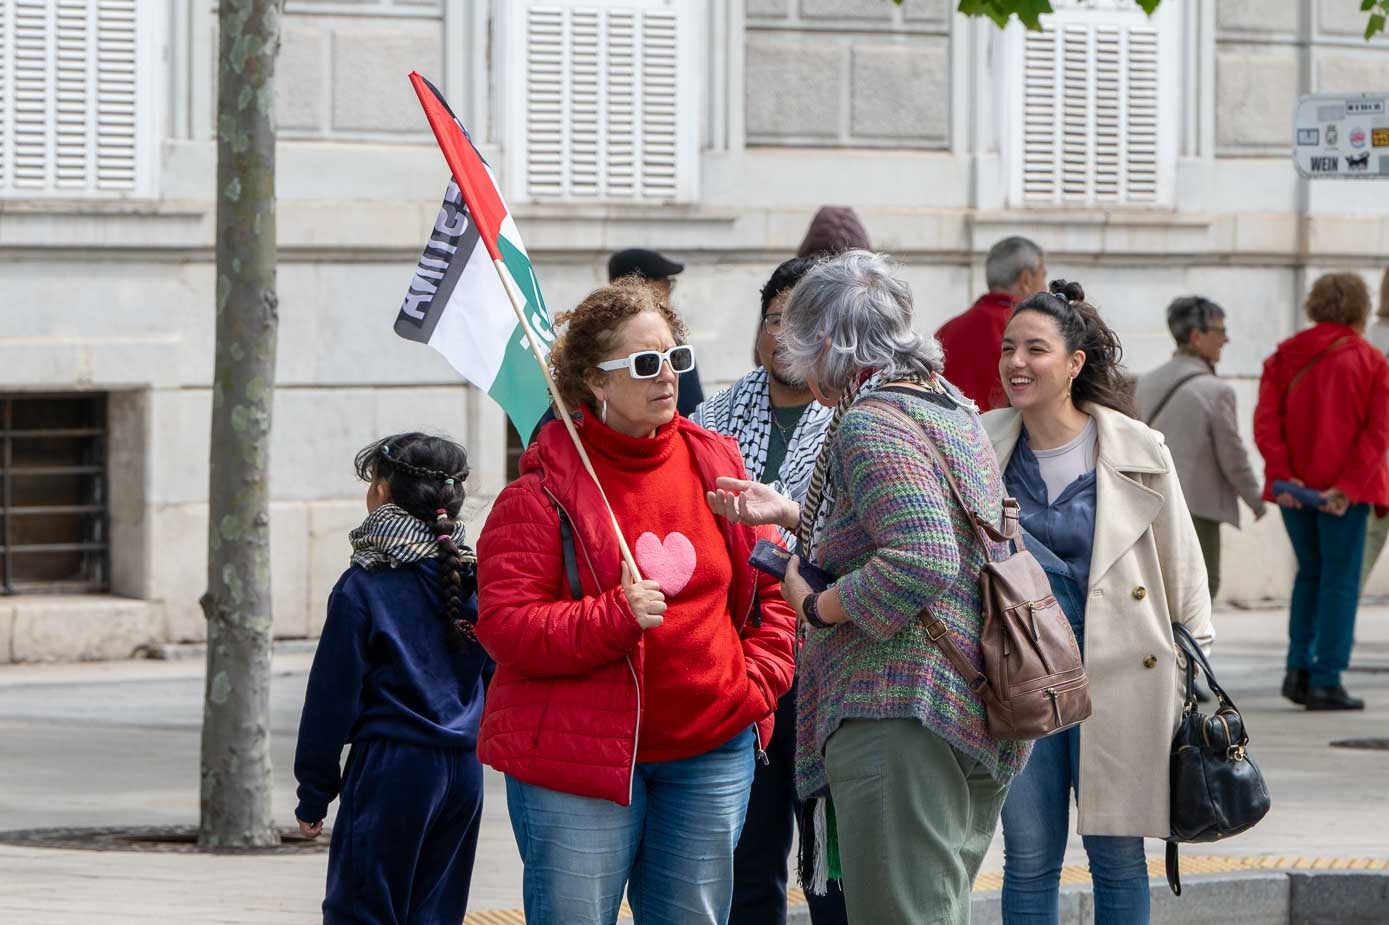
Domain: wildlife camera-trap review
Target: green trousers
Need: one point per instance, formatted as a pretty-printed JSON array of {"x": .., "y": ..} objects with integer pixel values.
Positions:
[
  {"x": 914, "y": 819},
  {"x": 1208, "y": 535}
]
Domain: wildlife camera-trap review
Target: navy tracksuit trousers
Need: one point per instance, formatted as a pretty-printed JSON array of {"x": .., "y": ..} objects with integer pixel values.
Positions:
[{"x": 405, "y": 836}]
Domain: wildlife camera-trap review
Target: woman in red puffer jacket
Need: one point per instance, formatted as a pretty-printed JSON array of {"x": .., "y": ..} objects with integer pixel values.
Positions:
[
  {"x": 1323, "y": 422},
  {"x": 626, "y": 713}
]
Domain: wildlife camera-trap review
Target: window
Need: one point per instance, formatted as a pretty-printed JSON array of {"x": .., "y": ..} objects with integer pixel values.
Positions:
[
  {"x": 75, "y": 98},
  {"x": 1091, "y": 123},
  {"x": 53, "y": 512},
  {"x": 602, "y": 93}
]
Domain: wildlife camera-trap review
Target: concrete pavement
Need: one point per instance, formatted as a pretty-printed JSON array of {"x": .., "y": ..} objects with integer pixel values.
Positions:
[{"x": 107, "y": 744}]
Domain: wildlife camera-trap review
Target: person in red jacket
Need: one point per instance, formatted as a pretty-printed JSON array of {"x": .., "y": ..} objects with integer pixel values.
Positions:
[
  {"x": 1322, "y": 421},
  {"x": 1015, "y": 269},
  {"x": 626, "y": 713}
]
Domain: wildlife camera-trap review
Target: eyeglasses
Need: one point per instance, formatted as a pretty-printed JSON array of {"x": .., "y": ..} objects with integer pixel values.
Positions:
[
  {"x": 772, "y": 323},
  {"x": 646, "y": 364},
  {"x": 1215, "y": 329}
]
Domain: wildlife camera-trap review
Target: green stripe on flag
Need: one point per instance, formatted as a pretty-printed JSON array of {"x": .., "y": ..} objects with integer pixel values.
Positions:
[{"x": 520, "y": 386}]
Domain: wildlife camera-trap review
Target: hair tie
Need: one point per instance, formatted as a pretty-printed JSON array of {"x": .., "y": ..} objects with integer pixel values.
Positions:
[
  {"x": 385, "y": 449},
  {"x": 448, "y": 481},
  {"x": 444, "y": 536},
  {"x": 442, "y": 515}
]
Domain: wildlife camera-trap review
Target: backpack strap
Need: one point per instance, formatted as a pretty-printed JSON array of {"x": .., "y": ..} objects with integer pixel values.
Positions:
[
  {"x": 936, "y": 630},
  {"x": 571, "y": 559}
]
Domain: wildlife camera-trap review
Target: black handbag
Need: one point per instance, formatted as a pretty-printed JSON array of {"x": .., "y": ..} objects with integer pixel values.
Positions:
[{"x": 1217, "y": 789}]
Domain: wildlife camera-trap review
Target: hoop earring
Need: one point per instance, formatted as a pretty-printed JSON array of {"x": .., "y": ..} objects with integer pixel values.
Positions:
[{"x": 603, "y": 412}]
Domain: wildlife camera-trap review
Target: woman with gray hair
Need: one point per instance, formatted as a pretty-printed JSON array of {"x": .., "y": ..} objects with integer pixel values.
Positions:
[{"x": 891, "y": 743}]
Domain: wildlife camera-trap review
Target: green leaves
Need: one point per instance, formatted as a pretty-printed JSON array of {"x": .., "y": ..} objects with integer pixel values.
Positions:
[
  {"x": 1377, "y": 24},
  {"x": 1028, "y": 11}
]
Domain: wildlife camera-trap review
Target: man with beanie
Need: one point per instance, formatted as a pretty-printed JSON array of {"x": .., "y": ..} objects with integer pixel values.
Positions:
[
  {"x": 659, "y": 272},
  {"x": 1014, "y": 270}
]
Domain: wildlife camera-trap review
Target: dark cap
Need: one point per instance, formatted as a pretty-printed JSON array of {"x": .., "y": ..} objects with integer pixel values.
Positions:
[{"x": 636, "y": 260}]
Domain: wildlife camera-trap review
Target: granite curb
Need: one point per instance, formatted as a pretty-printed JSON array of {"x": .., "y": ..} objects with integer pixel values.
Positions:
[{"x": 1254, "y": 898}]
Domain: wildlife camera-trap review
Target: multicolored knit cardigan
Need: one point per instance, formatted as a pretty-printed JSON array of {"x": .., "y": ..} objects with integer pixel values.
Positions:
[{"x": 900, "y": 542}]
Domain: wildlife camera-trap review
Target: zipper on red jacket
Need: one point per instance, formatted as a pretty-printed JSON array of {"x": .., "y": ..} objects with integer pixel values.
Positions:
[{"x": 632, "y": 669}]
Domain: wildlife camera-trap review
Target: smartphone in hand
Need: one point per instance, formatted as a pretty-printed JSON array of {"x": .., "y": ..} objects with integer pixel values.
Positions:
[{"x": 772, "y": 559}]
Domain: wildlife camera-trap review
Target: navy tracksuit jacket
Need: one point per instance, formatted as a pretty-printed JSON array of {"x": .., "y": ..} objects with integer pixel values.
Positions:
[{"x": 410, "y": 798}]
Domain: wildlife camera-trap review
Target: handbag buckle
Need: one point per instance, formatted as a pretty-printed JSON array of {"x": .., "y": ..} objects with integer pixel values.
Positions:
[
  {"x": 936, "y": 629},
  {"x": 1235, "y": 753}
]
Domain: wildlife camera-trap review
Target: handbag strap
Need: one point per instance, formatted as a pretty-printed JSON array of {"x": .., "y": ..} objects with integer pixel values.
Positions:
[
  {"x": 1174, "y": 874},
  {"x": 1173, "y": 391}
]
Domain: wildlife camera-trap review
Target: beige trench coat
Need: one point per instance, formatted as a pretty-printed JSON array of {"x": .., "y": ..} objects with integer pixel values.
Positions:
[{"x": 1146, "y": 571}]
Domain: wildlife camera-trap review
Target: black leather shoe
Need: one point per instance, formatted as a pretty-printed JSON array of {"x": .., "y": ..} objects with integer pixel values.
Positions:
[
  {"x": 1332, "y": 698},
  {"x": 1295, "y": 685}
]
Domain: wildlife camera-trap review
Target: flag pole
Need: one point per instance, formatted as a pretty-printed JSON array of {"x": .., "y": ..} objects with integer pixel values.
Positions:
[{"x": 518, "y": 304}]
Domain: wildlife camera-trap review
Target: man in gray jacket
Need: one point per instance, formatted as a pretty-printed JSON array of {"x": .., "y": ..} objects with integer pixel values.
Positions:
[{"x": 1195, "y": 409}]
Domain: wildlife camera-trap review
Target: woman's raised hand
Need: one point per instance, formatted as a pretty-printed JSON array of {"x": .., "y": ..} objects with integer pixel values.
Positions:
[
  {"x": 645, "y": 599},
  {"x": 746, "y": 502}
]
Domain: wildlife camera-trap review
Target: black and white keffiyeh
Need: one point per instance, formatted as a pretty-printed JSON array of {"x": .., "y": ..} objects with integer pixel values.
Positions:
[
  {"x": 391, "y": 536},
  {"x": 744, "y": 411}
]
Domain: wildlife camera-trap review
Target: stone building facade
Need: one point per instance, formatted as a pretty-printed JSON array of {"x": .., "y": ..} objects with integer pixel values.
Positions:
[{"x": 1150, "y": 159}]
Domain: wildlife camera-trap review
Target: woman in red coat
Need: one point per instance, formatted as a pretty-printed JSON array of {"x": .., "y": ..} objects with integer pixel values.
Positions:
[
  {"x": 1323, "y": 422},
  {"x": 626, "y": 713}
]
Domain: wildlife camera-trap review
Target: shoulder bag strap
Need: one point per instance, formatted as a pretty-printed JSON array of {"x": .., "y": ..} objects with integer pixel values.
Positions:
[
  {"x": 1297, "y": 377},
  {"x": 936, "y": 630},
  {"x": 571, "y": 559},
  {"x": 1173, "y": 391}
]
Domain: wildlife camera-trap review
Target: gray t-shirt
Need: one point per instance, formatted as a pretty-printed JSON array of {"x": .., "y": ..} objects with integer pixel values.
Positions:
[{"x": 1063, "y": 465}]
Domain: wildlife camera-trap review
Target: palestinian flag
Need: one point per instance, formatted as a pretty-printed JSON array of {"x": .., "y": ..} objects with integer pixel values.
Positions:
[{"x": 457, "y": 301}]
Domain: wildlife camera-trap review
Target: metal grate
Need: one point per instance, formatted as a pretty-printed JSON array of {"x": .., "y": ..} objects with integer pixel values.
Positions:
[{"x": 54, "y": 518}]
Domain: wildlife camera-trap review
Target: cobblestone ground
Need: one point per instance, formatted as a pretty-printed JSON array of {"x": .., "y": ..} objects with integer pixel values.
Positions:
[{"x": 116, "y": 744}]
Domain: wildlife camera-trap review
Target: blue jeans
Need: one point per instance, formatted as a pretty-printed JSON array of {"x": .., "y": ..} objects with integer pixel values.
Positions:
[
  {"x": 672, "y": 848},
  {"x": 1036, "y": 824},
  {"x": 1326, "y": 592}
]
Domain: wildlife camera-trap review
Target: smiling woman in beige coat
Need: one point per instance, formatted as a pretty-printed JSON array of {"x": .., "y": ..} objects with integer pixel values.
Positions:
[{"x": 1099, "y": 489}]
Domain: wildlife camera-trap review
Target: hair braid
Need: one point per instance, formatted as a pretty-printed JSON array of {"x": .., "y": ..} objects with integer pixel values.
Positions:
[{"x": 461, "y": 631}]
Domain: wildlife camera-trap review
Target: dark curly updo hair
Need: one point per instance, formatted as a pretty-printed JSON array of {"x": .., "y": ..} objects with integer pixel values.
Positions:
[
  {"x": 425, "y": 475},
  {"x": 1101, "y": 379},
  {"x": 590, "y": 331}
]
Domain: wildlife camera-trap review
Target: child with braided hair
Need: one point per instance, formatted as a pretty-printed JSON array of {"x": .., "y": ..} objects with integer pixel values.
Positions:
[{"x": 400, "y": 675}]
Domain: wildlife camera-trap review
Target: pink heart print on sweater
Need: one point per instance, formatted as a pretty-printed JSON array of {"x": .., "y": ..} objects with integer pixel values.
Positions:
[{"x": 669, "y": 562}]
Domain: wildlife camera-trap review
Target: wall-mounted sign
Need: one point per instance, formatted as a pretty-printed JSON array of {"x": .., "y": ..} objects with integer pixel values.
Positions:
[{"x": 1342, "y": 136}]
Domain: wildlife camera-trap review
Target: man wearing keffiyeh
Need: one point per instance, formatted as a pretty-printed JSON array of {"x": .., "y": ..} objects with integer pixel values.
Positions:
[{"x": 779, "y": 428}]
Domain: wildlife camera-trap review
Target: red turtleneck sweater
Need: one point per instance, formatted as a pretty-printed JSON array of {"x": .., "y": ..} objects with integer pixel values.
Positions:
[{"x": 697, "y": 695}]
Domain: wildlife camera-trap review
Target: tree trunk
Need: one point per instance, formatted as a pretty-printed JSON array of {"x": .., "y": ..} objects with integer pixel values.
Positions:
[{"x": 236, "y": 801}]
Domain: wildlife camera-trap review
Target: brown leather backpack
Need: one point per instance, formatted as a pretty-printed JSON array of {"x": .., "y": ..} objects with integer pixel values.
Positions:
[{"x": 1033, "y": 682}]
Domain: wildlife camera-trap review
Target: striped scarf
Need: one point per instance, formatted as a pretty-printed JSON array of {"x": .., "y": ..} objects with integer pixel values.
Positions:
[
  {"x": 744, "y": 411},
  {"x": 391, "y": 536}
]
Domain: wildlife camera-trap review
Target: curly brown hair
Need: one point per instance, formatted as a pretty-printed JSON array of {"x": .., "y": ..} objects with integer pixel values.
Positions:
[
  {"x": 1339, "y": 298},
  {"x": 590, "y": 331}
]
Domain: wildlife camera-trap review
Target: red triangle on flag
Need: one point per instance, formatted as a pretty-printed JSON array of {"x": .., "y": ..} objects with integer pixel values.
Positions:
[{"x": 480, "y": 194}]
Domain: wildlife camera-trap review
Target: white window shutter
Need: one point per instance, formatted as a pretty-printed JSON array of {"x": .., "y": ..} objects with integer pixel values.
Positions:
[
  {"x": 1090, "y": 130},
  {"x": 71, "y": 119},
  {"x": 606, "y": 110}
]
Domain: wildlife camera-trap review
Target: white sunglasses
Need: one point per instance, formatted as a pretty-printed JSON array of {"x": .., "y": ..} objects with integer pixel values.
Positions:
[{"x": 646, "y": 364}]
